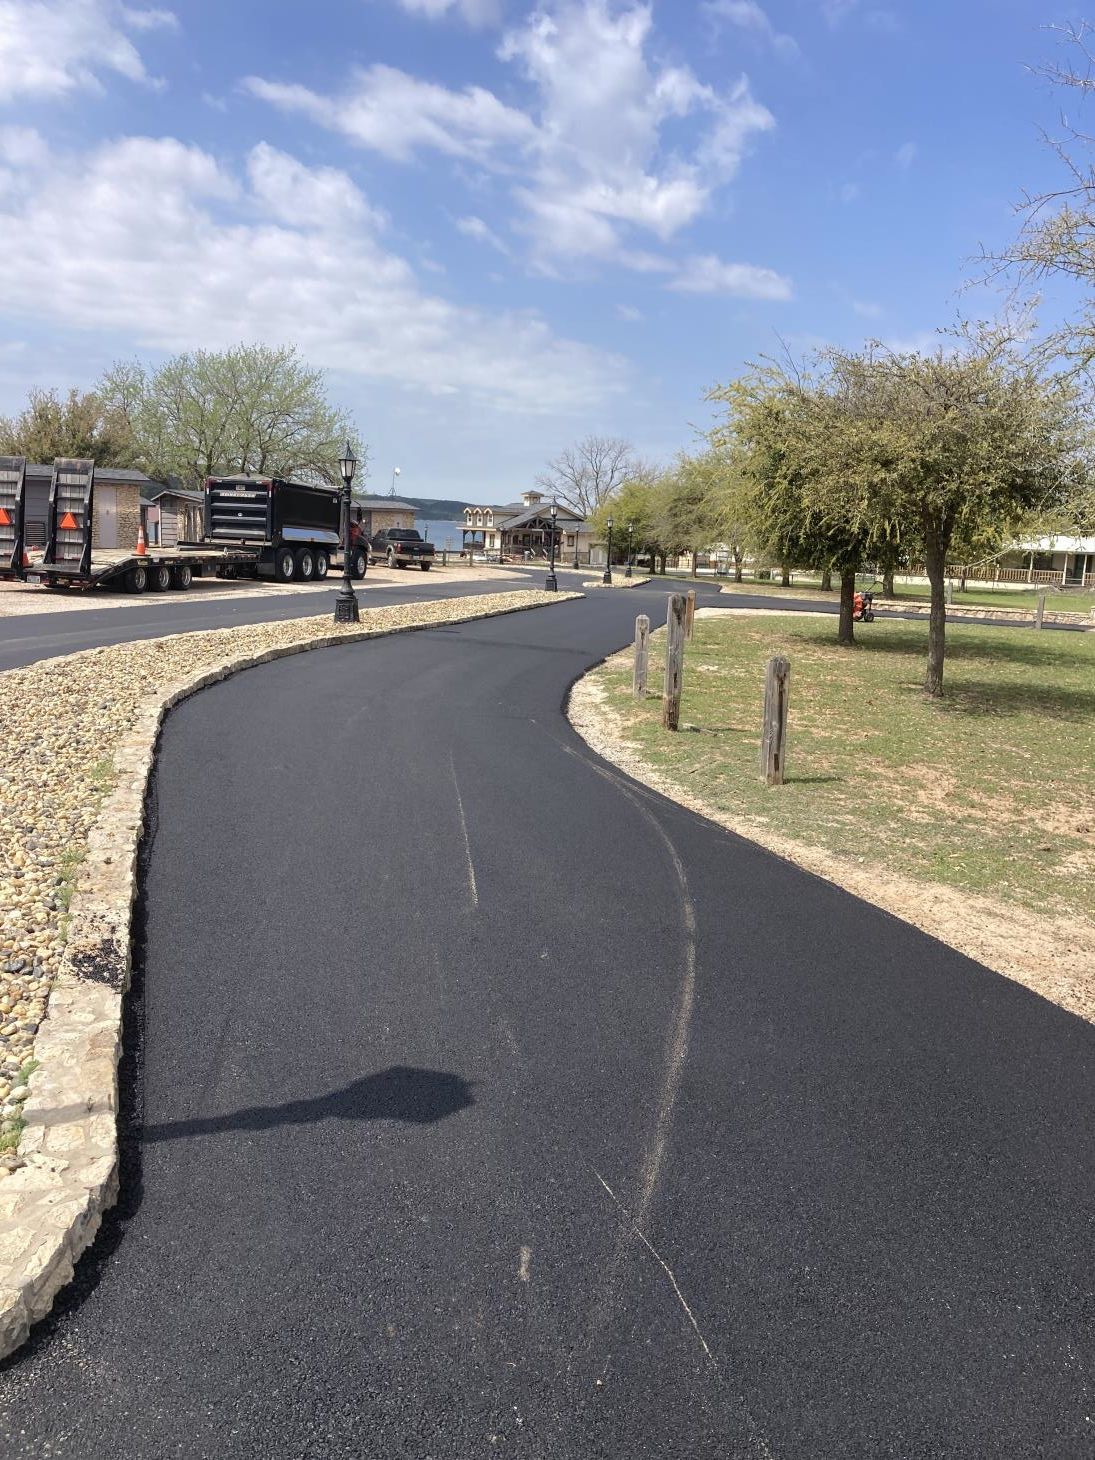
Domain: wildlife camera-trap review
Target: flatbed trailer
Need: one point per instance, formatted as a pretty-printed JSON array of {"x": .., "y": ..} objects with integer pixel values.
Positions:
[{"x": 260, "y": 511}]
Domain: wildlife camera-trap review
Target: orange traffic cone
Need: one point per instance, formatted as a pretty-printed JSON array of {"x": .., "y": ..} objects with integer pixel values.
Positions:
[{"x": 142, "y": 548}]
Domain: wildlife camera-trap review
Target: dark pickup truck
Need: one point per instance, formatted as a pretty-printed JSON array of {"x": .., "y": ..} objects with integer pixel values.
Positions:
[{"x": 401, "y": 546}]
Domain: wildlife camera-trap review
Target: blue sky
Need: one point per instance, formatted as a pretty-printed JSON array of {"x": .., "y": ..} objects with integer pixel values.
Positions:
[{"x": 499, "y": 226}]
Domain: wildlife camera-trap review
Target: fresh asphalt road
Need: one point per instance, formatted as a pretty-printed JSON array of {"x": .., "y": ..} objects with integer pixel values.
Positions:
[{"x": 484, "y": 1103}]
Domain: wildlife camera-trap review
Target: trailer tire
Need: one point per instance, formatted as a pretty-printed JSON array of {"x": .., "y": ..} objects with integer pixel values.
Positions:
[
  {"x": 305, "y": 564},
  {"x": 359, "y": 563},
  {"x": 181, "y": 576},
  {"x": 425, "y": 567},
  {"x": 159, "y": 580},
  {"x": 323, "y": 564},
  {"x": 136, "y": 579},
  {"x": 285, "y": 565}
]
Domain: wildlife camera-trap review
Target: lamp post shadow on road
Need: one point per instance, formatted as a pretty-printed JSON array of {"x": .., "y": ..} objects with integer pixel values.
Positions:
[{"x": 346, "y": 605}]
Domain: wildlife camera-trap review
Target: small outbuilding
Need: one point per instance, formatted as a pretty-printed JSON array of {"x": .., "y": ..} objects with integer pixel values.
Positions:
[{"x": 170, "y": 515}]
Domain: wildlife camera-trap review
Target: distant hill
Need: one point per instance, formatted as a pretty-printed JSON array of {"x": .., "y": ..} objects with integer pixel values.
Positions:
[{"x": 440, "y": 507}]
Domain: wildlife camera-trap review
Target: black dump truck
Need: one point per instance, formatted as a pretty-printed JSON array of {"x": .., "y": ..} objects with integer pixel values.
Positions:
[
  {"x": 275, "y": 528},
  {"x": 399, "y": 547}
]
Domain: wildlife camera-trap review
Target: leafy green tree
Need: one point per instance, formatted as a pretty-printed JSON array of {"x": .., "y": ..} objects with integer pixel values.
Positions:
[
  {"x": 81, "y": 424},
  {"x": 816, "y": 467},
  {"x": 255, "y": 408},
  {"x": 637, "y": 501}
]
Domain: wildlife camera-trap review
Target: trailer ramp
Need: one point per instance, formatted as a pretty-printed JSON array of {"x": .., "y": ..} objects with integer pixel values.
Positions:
[
  {"x": 71, "y": 497},
  {"x": 13, "y": 482}
]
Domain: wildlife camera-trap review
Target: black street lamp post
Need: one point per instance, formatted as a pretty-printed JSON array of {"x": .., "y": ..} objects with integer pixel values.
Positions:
[
  {"x": 551, "y": 583},
  {"x": 346, "y": 609},
  {"x": 630, "y": 530},
  {"x": 606, "y": 580}
]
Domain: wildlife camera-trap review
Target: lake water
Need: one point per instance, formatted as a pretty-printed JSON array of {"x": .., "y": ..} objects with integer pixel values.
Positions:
[{"x": 441, "y": 534}]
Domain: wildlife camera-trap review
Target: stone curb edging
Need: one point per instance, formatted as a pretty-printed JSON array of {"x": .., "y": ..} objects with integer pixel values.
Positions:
[
  {"x": 623, "y": 583},
  {"x": 51, "y": 1207}
]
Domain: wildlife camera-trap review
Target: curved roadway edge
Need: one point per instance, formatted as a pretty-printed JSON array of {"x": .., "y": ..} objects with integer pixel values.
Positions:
[
  {"x": 970, "y": 924},
  {"x": 51, "y": 1208}
]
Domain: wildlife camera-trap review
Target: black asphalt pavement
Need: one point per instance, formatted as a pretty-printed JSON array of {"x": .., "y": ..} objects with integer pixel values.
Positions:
[{"x": 482, "y": 1102}]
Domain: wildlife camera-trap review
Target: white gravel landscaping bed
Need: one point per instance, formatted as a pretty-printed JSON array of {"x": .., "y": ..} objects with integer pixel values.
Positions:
[{"x": 60, "y": 722}]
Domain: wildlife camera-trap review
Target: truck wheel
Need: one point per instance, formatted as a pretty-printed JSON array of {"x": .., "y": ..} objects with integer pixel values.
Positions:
[
  {"x": 159, "y": 580},
  {"x": 425, "y": 567},
  {"x": 182, "y": 576},
  {"x": 392, "y": 563},
  {"x": 358, "y": 563},
  {"x": 136, "y": 579},
  {"x": 285, "y": 565},
  {"x": 323, "y": 564},
  {"x": 306, "y": 564}
]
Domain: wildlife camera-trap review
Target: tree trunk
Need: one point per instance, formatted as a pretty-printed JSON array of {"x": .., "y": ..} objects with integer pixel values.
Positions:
[
  {"x": 661, "y": 570},
  {"x": 846, "y": 631},
  {"x": 694, "y": 563},
  {"x": 935, "y": 563},
  {"x": 887, "y": 583},
  {"x": 786, "y": 577},
  {"x": 737, "y": 567},
  {"x": 826, "y": 580}
]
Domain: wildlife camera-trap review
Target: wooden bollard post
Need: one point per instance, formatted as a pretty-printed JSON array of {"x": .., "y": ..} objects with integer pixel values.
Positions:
[
  {"x": 773, "y": 743},
  {"x": 949, "y": 594},
  {"x": 674, "y": 660},
  {"x": 642, "y": 656},
  {"x": 690, "y": 613},
  {"x": 1040, "y": 609}
]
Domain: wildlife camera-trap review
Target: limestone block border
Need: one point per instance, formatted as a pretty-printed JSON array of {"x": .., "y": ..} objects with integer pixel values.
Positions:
[{"x": 51, "y": 1207}]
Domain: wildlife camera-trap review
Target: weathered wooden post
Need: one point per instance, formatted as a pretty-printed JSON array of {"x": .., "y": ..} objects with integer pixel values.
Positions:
[
  {"x": 1040, "y": 610},
  {"x": 690, "y": 613},
  {"x": 674, "y": 660},
  {"x": 950, "y": 591},
  {"x": 642, "y": 655},
  {"x": 773, "y": 742}
]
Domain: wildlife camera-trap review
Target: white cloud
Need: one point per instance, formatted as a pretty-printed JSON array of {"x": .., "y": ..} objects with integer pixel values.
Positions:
[
  {"x": 866, "y": 309},
  {"x": 396, "y": 114},
  {"x": 50, "y": 47},
  {"x": 706, "y": 274},
  {"x": 475, "y": 12},
  {"x": 628, "y": 313},
  {"x": 905, "y": 155},
  {"x": 595, "y": 156},
  {"x": 150, "y": 19},
  {"x": 836, "y": 11},
  {"x": 601, "y": 159},
  {"x": 749, "y": 16},
  {"x": 849, "y": 192},
  {"x": 176, "y": 251},
  {"x": 473, "y": 227}
]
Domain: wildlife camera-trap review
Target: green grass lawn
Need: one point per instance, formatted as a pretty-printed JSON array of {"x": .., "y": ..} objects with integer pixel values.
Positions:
[
  {"x": 981, "y": 596},
  {"x": 991, "y": 790}
]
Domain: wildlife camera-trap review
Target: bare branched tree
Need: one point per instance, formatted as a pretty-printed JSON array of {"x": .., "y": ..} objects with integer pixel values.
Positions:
[
  {"x": 584, "y": 475},
  {"x": 1057, "y": 235}
]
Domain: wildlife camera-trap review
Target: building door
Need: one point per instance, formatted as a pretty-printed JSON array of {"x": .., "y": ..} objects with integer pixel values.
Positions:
[{"x": 106, "y": 514}]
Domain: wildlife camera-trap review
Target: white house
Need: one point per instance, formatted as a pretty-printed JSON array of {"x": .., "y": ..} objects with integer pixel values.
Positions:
[{"x": 525, "y": 527}]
